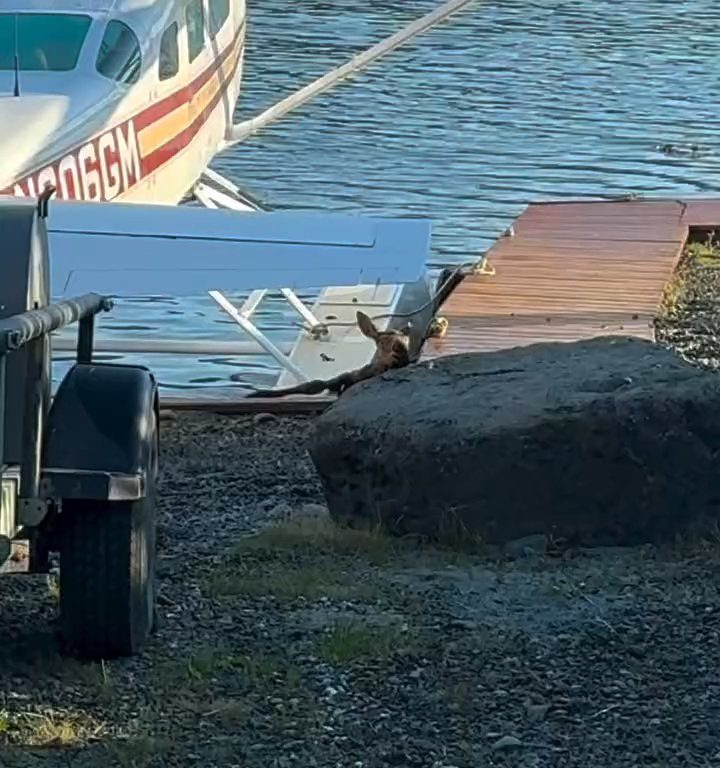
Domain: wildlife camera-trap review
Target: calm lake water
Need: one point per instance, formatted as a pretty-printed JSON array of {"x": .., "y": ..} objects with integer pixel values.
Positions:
[{"x": 507, "y": 103}]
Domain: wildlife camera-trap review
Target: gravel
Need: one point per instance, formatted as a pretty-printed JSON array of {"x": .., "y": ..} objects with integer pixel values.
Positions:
[
  {"x": 691, "y": 321},
  {"x": 283, "y": 641},
  {"x": 304, "y": 646}
]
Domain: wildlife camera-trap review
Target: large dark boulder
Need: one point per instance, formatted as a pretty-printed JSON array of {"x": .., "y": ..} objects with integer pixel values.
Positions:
[{"x": 607, "y": 441}]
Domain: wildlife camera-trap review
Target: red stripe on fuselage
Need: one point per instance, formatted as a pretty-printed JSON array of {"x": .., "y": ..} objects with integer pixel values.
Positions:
[
  {"x": 185, "y": 94},
  {"x": 180, "y": 141}
]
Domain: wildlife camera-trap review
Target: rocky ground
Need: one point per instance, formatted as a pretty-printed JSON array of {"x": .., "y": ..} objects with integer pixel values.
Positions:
[
  {"x": 690, "y": 323},
  {"x": 283, "y": 641}
]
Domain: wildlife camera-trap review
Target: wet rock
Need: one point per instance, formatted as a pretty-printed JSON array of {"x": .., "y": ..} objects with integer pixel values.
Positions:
[
  {"x": 315, "y": 511},
  {"x": 536, "y": 712},
  {"x": 264, "y": 418},
  {"x": 281, "y": 511},
  {"x": 527, "y": 546},
  {"x": 507, "y": 742},
  {"x": 610, "y": 441}
]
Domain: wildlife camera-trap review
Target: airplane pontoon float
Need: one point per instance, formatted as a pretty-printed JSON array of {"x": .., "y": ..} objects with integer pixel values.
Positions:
[{"x": 79, "y": 469}]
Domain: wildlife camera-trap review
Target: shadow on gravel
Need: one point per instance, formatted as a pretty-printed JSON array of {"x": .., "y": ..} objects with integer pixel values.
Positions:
[{"x": 284, "y": 641}]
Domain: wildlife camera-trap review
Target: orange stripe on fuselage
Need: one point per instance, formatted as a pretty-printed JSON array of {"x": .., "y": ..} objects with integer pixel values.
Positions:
[
  {"x": 178, "y": 117},
  {"x": 184, "y": 95}
]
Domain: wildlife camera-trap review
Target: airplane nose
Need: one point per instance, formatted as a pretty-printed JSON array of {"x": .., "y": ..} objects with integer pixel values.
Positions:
[{"x": 29, "y": 127}]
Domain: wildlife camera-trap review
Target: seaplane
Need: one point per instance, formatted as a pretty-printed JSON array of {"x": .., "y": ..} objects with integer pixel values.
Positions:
[{"x": 126, "y": 103}]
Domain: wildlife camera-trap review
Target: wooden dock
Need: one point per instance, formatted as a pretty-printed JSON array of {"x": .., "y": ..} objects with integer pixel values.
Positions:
[{"x": 573, "y": 270}]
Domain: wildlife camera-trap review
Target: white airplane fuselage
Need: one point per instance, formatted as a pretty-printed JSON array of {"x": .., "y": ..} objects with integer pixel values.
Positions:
[{"x": 124, "y": 100}]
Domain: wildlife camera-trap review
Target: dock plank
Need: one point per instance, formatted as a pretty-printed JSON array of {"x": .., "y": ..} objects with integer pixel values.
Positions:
[{"x": 572, "y": 270}]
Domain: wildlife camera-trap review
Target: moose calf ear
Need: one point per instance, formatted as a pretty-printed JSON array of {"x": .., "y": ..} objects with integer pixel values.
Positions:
[{"x": 366, "y": 326}]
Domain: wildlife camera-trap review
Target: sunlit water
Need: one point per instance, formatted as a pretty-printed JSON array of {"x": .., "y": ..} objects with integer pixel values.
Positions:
[{"x": 510, "y": 102}]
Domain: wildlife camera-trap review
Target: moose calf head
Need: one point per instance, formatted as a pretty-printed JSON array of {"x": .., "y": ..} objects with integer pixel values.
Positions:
[{"x": 392, "y": 348}]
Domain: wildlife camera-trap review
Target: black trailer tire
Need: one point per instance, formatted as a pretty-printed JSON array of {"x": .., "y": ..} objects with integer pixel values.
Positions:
[{"x": 107, "y": 572}]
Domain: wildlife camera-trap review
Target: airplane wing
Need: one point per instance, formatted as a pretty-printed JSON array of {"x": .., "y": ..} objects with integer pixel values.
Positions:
[{"x": 136, "y": 249}]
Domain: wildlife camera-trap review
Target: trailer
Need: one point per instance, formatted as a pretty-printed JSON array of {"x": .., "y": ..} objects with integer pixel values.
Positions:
[{"x": 78, "y": 469}]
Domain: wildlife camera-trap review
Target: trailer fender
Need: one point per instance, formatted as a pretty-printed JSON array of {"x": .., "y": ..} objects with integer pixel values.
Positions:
[{"x": 104, "y": 418}]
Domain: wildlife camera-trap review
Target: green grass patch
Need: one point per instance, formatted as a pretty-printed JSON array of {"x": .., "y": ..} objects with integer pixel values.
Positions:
[
  {"x": 350, "y": 640},
  {"x": 141, "y": 751},
  {"x": 313, "y": 558},
  {"x": 319, "y": 534},
  {"x": 288, "y": 583},
  {"x": 206, "y": 664}
]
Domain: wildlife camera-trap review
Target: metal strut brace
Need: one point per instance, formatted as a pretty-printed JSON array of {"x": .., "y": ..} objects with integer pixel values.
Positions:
[{"x": 228, "y": 196}]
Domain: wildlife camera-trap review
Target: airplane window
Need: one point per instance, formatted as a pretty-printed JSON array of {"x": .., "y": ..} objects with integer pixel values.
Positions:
[
  {"x": 195, "y": 28},
  {"x": 219, "y": 12},
  {"x": 43, "y": 41},
  {"x": 169, "y": 55},
  {"x": 119, "y": 55}
]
